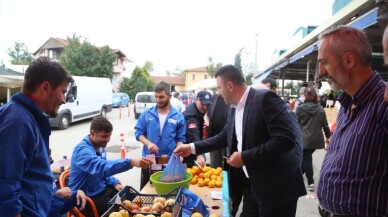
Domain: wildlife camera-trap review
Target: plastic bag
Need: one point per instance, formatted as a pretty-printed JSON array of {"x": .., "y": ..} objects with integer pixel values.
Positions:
[
  {"x": 175, "y": 171},
  {"x": 192, "y": 203}
]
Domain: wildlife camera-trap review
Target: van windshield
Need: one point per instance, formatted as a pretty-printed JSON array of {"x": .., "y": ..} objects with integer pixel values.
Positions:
[{"x": 146, "y": 98}]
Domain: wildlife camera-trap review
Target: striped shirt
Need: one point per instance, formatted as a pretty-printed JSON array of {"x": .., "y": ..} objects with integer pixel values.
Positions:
[{"x": 354, "y": 174}]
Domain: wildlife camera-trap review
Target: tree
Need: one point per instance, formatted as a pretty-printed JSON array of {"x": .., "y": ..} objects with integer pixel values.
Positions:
[
  {"x": 237, "y": 60},
  {"x": 293, "y": 86},
  {"x": 212, "y": 67},
  {"x": 19, "y": 54},
  {"x": 85, "y": 59},
  {"x": 139, "y": 82},
  {"x": 148, "y": 66}
]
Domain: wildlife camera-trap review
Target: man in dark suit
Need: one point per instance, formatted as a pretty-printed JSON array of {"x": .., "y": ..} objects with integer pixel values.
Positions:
[
  {"x": 261, "y": 146},
  {"x": 217, "y": 115}
]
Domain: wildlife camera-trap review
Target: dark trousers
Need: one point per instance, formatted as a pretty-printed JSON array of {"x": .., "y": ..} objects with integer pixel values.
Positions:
[
  {"x": 238, "y": 187},
  {"x": 145, "y": 177},
  {"x": 286, "y": 210},
  {"x": 307, "y": 165},
  {"x": 100, "y": 201}
]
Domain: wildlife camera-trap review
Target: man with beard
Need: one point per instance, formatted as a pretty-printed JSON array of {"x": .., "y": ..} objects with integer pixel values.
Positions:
[
  {"x": 26, "y": 179},
  {"x": 160, "y": 128},
  {"x": 93, "y": 173},
  {"x": 353, "y": 178},
  {"x": 194, "y": 115}
]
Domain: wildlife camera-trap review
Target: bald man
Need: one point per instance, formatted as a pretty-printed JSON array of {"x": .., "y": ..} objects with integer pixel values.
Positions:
[{"x": 385, "y": 49}]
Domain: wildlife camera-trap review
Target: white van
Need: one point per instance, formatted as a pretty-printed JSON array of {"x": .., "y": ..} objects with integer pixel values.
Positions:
[
  {"x": 87, "y": 98},
  {"x": 143, "y": 101}
]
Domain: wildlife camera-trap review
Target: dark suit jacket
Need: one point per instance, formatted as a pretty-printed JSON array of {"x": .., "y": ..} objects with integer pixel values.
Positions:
[{"x": 267, "y": 150}]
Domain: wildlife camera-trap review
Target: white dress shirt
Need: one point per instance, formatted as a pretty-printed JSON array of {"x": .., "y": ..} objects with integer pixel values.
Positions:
[{"x": 238, "y": 123}]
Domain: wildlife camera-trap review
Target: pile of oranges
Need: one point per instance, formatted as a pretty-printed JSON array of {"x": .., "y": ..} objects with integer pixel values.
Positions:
[{"x": 211, "y": 177}]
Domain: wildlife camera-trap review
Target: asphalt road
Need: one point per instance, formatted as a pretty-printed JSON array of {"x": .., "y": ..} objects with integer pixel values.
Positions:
[{"x": 62, "y": 143}]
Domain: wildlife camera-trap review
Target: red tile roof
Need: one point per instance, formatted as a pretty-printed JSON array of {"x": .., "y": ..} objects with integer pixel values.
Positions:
[
  {"x": 199, "y": 69},
  {"x": 176, "y": 80}
]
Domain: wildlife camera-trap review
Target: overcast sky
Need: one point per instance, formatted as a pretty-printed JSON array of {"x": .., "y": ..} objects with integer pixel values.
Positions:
[{"x": 170, "y": 33}]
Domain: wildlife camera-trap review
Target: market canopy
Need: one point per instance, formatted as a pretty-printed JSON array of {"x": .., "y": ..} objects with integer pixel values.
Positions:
[
  {"x": 10, "y": 78},
  {"x": 204, "y": 84}
]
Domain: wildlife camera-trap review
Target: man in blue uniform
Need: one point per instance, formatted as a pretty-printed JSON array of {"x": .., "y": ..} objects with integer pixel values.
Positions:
[
  {"x": 93, "y": 173},
  {"x": 160, "y": 128},
  {"x": 25, "y": 177}
]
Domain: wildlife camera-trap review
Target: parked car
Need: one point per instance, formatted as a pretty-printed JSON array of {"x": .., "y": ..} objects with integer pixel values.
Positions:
[
  {"x": 143, "y": 101},
  {"x": 120, "y": 99},
  {"x": 184, "y": 95}
]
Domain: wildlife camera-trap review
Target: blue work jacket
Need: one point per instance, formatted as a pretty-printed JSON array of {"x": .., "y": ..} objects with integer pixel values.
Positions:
[
  {"x": 26, "y": 179},
  {"x": 91, "y": 172},
  {"x": 174, "y": 130}
]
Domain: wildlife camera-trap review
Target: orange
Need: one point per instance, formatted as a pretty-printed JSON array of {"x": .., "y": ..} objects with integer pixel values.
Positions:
[
  {"x": 207, "y": 175},
  {"x": 201, "y": 183},
  {"x": 206, "y": 181},
  {"x": 213, "y": 177},
  {"x": 193, "y": 181},
  {"x": 212, "y": 184},
  {"x": 219, "y": 184},
  {"x": 201, "y": 174},
  {"x": 206, "y": 169}
]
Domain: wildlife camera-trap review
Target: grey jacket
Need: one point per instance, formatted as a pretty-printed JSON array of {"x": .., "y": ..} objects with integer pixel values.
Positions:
[{"x": 312, "y": 119}]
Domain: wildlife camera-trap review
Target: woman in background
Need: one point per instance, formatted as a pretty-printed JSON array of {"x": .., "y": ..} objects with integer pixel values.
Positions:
[{"x": 312, "y": 119}]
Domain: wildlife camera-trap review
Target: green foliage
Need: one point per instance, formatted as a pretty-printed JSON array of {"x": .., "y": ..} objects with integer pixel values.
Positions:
[
  {"x": 19, "y": 54},
  {"x": 139, "y": 81},
  {"x": 84, "y": 59},
  {"x": 248, "y": 79},
  {"x": 293, "y": 86},
  {"x": 148, "y": 66},
  {"x": 212, "y": 67},
  {"x": 237, "y": 60}
]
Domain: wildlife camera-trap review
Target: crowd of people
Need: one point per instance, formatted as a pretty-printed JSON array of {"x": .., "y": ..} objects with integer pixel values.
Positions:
[{"x": 265, "y": 145}]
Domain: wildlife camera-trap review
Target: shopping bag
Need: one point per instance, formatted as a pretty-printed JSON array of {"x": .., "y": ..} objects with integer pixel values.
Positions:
[
  {"x": 192, "y": 203},
  {"x": 175, "y": 171}
]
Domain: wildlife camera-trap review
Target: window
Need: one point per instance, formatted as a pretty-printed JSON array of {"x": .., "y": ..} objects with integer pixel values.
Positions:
[
  {"x": 193, "y": 77},
  {"x": 205, "y": 76}
]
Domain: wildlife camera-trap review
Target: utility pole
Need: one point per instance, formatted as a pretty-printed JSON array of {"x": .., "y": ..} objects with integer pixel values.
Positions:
[{"x": 256, "y": 67}]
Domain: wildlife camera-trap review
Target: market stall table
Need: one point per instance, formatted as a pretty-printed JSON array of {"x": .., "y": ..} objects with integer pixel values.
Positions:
[{"x": 216, "y": 206}]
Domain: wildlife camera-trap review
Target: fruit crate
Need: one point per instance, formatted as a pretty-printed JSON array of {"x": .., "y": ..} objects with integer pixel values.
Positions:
[{"x": 129, "y": 193}]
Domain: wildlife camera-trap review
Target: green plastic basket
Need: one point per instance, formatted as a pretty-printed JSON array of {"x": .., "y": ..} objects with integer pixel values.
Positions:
[{"x": 165, "y": 187}]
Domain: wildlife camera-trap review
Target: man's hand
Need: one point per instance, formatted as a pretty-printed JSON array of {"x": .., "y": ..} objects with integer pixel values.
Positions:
[
  {"x": 81, "y": 199},
  {"x": 201, "y": 160},
  {"x": 119, "y": 186},
  {"x": 152, "y": 148},
  {"x": 235, "y": 160},
  {"x": 141, "y": 162},
  {"x": 183, "y": 150},
  {"x": 64, "y": 193}
]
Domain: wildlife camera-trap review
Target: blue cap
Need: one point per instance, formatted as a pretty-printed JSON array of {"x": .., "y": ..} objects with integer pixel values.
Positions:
[{"x": 204, "y": 97}]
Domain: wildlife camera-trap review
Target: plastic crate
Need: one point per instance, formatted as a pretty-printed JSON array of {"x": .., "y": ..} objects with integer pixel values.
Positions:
[
  {"x": 129, "y": 193},
  {"x": 113, "y": 208}
]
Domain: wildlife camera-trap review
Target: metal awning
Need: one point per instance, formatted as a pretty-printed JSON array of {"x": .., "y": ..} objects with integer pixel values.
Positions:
[{"x": 368, "y": 15}]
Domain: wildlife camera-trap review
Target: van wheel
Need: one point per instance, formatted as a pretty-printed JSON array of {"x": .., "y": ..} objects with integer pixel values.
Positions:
[
  {"x": 64, "y": 122},
  {"x": 103, "y": 112}
]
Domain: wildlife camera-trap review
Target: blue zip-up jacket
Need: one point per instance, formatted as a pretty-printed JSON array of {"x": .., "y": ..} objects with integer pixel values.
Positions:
[
  {"x": 26, "y": 179},
  {"x": 60, "y": 206},
  {"x": 91, "y": 171},
  {"x": 174, "y": 130}
]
